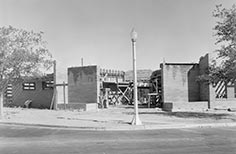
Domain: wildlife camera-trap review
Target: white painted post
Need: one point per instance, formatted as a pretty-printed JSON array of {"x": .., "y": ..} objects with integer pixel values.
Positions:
[{"x": 136, "y": 120}]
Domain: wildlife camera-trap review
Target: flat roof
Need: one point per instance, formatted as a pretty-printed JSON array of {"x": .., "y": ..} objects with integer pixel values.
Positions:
[{"x": 180, "y": 63}]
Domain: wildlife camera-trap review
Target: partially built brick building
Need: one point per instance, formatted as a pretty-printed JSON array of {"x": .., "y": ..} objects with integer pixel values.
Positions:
[
  {"x": 36, "y": 92},
  {"x": 180, "y": 89},
  {"x": 85, "y": 83}
]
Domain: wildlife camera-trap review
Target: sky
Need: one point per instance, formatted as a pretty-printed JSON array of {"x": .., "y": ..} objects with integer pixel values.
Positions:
[{"x": 99, "y": 30}]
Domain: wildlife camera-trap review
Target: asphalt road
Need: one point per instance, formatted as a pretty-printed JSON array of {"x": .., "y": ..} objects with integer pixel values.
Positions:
[{"x": 30, "y": 140}]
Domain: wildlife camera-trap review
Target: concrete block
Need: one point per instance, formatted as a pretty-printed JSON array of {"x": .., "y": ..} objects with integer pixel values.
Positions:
[
  {"x": 167, "y": 106},
  {"x": 79, "y": 106},
  {"x": 185, "y": 106},
  {"x": 224, "y": 104}
]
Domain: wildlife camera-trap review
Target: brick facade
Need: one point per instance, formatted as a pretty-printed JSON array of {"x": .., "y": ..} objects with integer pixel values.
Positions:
[
  {"x": 83, "y": 84},
  {"x": 181, "y": 90},
  {"x": 83, "y": 87},
  {"x": 204, "y": 87},
  {"x": 41, "y": 95},
  {"x": 179, "y": 82}
]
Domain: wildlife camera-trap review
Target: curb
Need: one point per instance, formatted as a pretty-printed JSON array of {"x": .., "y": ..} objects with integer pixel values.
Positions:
[
  {"x": 211, "y": 125},
  {"x": 51, "y": 126},
  {"x": 123, "y": 128}
]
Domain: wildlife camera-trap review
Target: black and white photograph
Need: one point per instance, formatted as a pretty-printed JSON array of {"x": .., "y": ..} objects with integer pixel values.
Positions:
[{"x": 117, "y": 76}]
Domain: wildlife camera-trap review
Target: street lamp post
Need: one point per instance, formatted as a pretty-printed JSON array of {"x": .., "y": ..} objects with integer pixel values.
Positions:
[{"x": 136, "y": 120}]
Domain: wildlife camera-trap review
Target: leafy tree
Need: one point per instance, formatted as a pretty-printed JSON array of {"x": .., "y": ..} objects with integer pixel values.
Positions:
[
  {"x": 22, "y": 53},
  {"x": 226, "y": 37}
]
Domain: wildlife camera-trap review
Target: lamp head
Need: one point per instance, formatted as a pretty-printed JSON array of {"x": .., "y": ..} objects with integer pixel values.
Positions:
[{"x": 134, "y": 35}]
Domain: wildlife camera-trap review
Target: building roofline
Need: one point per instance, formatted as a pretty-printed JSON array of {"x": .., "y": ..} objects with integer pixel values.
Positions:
[{"x": 180, "y": 64}]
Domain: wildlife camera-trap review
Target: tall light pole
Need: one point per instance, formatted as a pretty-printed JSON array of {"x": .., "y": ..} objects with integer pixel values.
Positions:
[{"x": 136, "y": 120}]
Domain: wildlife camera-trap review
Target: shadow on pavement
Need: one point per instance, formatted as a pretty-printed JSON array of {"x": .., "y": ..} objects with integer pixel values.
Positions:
[
  {"x": 180, "y": 114},
  {"x": 131, "y": 107},
  {"x": 190, "y": 114}
]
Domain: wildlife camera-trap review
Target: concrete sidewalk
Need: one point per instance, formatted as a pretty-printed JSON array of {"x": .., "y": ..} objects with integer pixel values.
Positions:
[{"x": 117, "y": 118}]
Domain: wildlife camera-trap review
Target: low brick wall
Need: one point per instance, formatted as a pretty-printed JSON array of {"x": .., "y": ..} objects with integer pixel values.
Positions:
[
  {"x": 185, "y": 106},
  {"x": 79, "y": 106},
  {"x": 224, "y": 104}
]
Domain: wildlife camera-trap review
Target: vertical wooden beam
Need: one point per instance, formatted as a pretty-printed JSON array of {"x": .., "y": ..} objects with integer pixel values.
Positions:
[
  {"x": 82, "y": 62},
  {"x": 106, "y": 98},
  {"x": 163, "y": 81},
  {"x": 52, "y": 102},
  {"x": 64, "y": 94},
  {"x": 149, "y": 101},
  {"x": 55, "y": 82}
]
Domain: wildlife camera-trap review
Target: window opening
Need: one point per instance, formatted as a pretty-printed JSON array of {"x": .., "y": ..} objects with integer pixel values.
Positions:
[
  {"x": 29, "y": 86},
  {"x": 47, "y": 84}
]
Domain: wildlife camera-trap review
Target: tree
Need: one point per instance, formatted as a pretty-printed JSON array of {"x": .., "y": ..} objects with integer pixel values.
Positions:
[
  {"x": 22, "y": 53},
  {"x": 226, "y": 37}
]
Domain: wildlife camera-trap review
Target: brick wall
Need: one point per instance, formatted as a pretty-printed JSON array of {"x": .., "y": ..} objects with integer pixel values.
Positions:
[
  {"x": 224, "y": 104},
  {"x": 204, "y": 87},
  {"x": 83, "y": 84},
  {"x": 41, "y": 98},
  {"x": 179, "y": 82},
  {"x": 193, "y": 84},
  {"x": 230, "y": 92},
  {"x": 182, "y": 91}
]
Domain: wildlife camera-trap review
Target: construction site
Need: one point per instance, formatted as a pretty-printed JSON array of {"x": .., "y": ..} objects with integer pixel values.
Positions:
[{"x": 172, "y": 87}]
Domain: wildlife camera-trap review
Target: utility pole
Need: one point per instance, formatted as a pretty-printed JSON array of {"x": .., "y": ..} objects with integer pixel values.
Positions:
[{"x": 82, "y": 62}]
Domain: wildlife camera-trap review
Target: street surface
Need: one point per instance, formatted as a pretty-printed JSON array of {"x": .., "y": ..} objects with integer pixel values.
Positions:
[{"x": 30, "y": 140}]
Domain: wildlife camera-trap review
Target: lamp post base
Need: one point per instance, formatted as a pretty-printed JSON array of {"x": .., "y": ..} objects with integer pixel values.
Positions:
[{"x": 136, "y": 121}]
